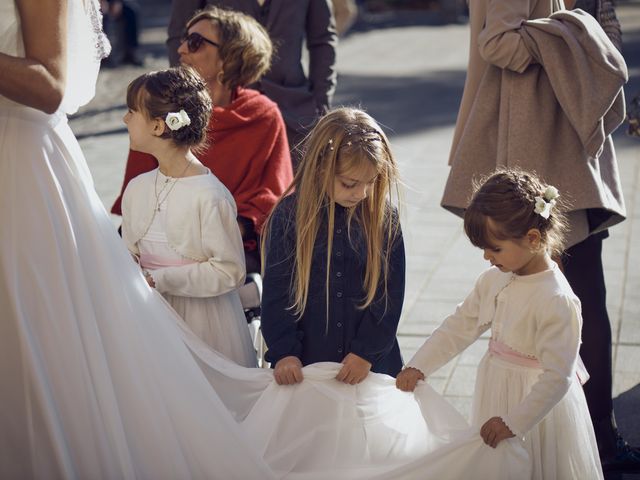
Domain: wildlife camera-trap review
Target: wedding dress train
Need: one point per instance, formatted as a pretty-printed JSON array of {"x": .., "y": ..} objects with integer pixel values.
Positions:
[{"x": 100, "y": 379}]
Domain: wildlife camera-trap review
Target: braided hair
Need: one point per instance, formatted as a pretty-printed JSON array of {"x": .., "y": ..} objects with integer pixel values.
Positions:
[
  {"x": 508, "y": 198},
  {"x": 165, "y": 91}
]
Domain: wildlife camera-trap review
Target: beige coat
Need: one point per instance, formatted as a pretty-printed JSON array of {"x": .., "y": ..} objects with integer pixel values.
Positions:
[{"x": 544, "y": 95}]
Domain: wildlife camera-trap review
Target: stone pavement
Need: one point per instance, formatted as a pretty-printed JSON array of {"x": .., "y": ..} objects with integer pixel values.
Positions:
[{"x": 408, "y": 71}]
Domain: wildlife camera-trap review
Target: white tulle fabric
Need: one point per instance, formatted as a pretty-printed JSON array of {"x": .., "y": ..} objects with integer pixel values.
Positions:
[{"x": 101, "y": 380}]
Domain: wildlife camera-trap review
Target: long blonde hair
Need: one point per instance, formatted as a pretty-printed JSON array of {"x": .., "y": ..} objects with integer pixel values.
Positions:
[{"x": 344, "y": 139}]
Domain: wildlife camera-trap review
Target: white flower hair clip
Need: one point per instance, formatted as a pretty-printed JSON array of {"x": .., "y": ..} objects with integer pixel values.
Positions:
[
  {"x": 177, "y": 120},
  {"x": 546, "y": 202}
]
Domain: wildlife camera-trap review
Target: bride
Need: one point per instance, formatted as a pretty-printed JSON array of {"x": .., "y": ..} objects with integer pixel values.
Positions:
[{"x": 100, "y": 379}]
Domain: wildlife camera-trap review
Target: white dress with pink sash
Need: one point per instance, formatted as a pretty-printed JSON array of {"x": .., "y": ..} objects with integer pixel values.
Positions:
[
  {"x": 531, "y": 374},
  {"x": 218, "y": 320}
]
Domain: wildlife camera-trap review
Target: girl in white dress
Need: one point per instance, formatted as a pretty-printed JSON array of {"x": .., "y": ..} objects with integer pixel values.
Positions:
[
  {"x": 179, "y": 220},
  {"x": 528, "y": 383}
]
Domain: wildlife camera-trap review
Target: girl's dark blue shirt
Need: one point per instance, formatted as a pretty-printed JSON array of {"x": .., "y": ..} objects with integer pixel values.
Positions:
[{"x": 368, "y": 333}]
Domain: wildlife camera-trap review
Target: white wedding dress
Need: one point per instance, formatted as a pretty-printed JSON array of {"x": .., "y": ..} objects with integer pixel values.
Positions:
[{"x": 99, "y": 378}]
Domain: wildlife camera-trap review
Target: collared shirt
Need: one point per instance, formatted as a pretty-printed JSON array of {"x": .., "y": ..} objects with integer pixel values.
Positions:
[{"x": 369, "y": 333}]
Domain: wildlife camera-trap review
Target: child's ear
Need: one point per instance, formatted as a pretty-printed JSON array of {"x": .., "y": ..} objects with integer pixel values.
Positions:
[
  {"x": 534, "y": 238},
  {"x": 158, "y": 127}
]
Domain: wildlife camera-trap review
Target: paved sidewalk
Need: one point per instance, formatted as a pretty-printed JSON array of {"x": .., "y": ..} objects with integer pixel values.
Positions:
[{"x": 410, "y": 78}]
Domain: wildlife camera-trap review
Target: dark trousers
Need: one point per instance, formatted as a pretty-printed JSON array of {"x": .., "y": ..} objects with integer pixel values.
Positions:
[{"x": 583, "y": 268}]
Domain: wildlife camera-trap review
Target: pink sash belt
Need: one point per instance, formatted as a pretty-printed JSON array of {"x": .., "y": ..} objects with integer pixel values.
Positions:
[
  {"x": 152, "y": 262},
  {"x": 508, "y": 354}
]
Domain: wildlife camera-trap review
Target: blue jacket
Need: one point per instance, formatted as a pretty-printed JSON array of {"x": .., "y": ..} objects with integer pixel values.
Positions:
[{"x": 368, "y": 333}]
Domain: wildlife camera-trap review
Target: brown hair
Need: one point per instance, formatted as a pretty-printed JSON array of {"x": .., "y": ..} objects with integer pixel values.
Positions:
[
  {"x": 508, "y": 197},
  {"x": 181, "y": 88},
  {"x": 246, "y": 47},
  {"x": 343, "y": 139}
]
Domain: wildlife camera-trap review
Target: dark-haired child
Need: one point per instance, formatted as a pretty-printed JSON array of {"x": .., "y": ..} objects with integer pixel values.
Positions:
[
  {"x": 527, "y": 384},
  {"x": 179, "y": 220}
]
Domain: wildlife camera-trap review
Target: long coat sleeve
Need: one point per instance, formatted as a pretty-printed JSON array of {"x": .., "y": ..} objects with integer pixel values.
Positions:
[{"x": 525, "y": 105}]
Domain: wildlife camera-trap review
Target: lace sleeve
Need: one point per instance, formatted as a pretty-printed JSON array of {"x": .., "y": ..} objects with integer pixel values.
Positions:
[{"x": 87, "y": 45}]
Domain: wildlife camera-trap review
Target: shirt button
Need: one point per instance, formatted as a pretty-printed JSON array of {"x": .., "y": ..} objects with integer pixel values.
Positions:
[
  {"x": 339, "y": 324},
  {"x": 338, "y": 274},
  {"x": 339, "y": 294}
]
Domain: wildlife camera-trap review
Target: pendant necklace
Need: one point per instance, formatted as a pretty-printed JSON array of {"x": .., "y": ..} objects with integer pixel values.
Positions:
[{"x": 166, "y": 184}]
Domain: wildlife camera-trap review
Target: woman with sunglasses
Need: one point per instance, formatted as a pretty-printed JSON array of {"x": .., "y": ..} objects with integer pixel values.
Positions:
[
  {"x": 247, "y": 146},
  {"x": 303, "y": 89}
]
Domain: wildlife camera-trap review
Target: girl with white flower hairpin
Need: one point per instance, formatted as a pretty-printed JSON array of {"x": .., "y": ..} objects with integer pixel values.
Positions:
[
  {"x": 179, "y": 220},
  {"x": 529, "y": 381}
]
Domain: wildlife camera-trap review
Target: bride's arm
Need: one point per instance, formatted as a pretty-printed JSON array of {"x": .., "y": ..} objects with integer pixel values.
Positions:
[{"x": 38, "y": 80}]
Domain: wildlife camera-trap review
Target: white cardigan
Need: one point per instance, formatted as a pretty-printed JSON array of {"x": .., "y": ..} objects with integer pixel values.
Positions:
[
  {"x": 201, "y": 225},
  {"x": 536, "y": 315}
]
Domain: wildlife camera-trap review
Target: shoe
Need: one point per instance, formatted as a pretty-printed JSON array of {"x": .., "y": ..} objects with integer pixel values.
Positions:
[{"x": 626, "y": 458}]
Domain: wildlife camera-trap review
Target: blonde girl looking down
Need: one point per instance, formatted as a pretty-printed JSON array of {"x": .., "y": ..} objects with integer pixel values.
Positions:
[{"x": 335, "y": 266}]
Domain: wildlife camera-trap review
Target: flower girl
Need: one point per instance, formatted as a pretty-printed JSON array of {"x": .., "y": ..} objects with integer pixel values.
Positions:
[
  {"x": 179, "y": 220},
  {"x": 528, "y": 382}
]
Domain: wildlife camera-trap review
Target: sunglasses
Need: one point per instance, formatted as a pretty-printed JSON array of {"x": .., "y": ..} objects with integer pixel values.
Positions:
[{"x": 194, "y": 41}]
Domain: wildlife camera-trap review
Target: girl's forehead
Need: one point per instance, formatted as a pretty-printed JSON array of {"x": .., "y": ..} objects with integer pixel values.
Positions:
[
  {"x": 493, "y": 232},
  {"x": 361, "y": 172}
]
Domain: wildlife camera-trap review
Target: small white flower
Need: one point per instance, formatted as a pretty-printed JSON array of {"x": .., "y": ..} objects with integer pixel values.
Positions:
[
  {"x": 177, "y": 120},
  {"x": 551, "y": 193},
  {"x": 543, "y": 208}
]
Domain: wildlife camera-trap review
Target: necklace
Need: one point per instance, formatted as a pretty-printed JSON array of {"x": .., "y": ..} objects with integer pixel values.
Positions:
[{"x": 166, "y": 184}]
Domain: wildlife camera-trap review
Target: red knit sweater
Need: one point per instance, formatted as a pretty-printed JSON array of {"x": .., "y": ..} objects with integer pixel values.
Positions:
[{"x": 248, "y": 151}]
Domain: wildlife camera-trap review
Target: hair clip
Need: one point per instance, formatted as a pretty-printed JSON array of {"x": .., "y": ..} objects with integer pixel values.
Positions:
[
  {"x": 546, "y": 202},
  {"x": 177, "y": 120}
]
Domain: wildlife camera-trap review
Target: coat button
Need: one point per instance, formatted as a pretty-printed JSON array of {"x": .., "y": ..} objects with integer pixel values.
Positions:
[
  {"x": 338, "y": 274},
  {"x": 339, "y": 324},
  {"x": 340, "y": 350},
  {"x": 339, "y": 294},
  {"x": 338, "y": 254},
  {"x": 339, "y": 231}
]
